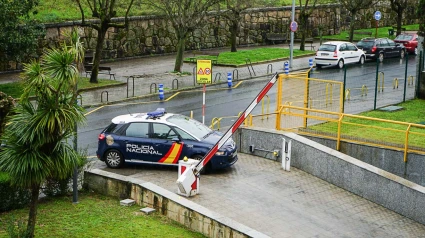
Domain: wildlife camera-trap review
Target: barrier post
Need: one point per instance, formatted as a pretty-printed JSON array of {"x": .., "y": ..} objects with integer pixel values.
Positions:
[
  {"x": 310, "y": 64},
  {"x": 286, "y": 66},
  {"x": 229, "y": 79},
  {"x": 376, "y": 83},
  {"x": 405, "y": 78},
  {"x": 161, "y": 91}
]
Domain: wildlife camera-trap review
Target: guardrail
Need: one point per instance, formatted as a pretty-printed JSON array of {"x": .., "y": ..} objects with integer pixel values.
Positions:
[{"x": 341, "y": 127}]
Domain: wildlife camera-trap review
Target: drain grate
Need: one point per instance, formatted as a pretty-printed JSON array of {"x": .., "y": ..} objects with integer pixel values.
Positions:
[{"x": 390, "y": 108}]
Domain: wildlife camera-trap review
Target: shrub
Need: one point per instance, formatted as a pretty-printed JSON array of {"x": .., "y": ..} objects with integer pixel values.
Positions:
[{"x": 12, "y": 197}]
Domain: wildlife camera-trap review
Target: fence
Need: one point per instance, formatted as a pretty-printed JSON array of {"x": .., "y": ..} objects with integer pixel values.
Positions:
[{"x": 390, "y": 82}]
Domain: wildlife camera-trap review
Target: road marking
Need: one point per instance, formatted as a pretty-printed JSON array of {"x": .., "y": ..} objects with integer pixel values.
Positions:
[{"x": 90, "y": 112}]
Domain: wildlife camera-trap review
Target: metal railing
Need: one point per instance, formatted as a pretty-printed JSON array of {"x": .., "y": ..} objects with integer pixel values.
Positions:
[{"x": 342, "y": 127}]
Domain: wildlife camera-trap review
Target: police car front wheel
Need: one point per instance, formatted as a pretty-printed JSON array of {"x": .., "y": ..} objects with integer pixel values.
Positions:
[
  {"x": 207, "y": 167},
  {"x": 114, "y": 159}
]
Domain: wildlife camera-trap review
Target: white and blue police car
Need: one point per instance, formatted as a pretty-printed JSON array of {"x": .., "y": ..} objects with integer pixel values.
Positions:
[{"x": 161, "y": 138}]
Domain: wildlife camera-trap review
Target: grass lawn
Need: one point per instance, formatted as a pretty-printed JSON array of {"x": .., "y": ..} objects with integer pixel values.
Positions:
[
  {"x": 413, "y": 112},
  {"x": 95, "y": 216},
  {"x": 256, "y": 55},
  {"x": 382, "y": 33},
  {"x": 15, "y": 89}
]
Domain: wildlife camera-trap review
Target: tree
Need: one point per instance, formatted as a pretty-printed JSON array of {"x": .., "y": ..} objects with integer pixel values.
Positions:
[
  {"x": 354, "y": 7},
  {"x": 421, "y": 17},
  {"x": 7, "y": 103},
  {"x": 19, "y": 35},
  {"x": 185, "y": 16},
  {"x": 399, "y": 7},
  {"x": 104, "y": 10},
  {"x": 305, "y": 13},
  {"x": 37, "y": 135},
  {"x": 234, "y": 8}
]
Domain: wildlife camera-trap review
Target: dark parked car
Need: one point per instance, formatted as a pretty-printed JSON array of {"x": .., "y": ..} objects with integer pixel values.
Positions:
[
  {"x": 410, "y": 42},
  {"x": 381, "y": 48}
]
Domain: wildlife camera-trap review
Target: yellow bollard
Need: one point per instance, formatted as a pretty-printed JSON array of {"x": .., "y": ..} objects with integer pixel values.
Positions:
[
  {"x": 347, "y": 94},
  {"x": 395, "y": 83},
  {"x": 381, "y": 81},
  {"x": 364, "y": 90}
]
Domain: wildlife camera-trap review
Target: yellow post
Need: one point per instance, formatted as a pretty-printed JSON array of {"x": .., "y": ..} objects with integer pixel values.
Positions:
[
  {"x": 306, "y": 90},
  {"x": 329, "y": 93},
  {"x": 364, "y": 90},
  {"x": 338, "y": 140},
  {"x": 278, "y": 117},
  {"x": 347, "y": 94},
  {"x": 341, "y": 98},
  {"x": 191, "y": 114},
  {"x": 406, "y": 143},
  {"x": 262, "y": 107},
  {"x": 278, "y": 100},
  {"x": 410, "y": 80},
  {"x": 395, "y": 83},
  {"x": 381, "y": 83}
]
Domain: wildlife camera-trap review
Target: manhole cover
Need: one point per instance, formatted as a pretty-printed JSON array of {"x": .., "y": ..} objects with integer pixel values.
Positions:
[{"x": 390, "y": 108}]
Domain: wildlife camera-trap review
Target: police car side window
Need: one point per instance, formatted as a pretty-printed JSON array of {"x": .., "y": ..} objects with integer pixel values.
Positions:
[
  {"x": 140, "y": 130},
  {"x": 183, "y": 134},
  {"x": 161, "y": 131}
]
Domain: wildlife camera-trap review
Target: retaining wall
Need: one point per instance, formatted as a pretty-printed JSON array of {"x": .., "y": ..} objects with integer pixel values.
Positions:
[
  {"x": 167, "y": 203},
  {"x": 375, "y": 184}
]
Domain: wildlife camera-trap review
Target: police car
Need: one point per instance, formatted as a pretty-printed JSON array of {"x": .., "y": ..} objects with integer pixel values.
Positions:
[{"x": 161, "y": 138}]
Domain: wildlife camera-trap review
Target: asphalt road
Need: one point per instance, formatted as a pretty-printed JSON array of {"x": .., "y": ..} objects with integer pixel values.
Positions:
[{"x": 224, "y": 102}]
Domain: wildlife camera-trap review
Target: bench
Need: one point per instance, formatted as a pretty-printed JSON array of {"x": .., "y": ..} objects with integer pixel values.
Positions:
[
  {"x": 276, "y": 37},
  {"x": 366, "y": 33},
  {"x": 204, "y": 53},
  {"x": 307, "y": 41},
  {"x": 102, "y": 70}
]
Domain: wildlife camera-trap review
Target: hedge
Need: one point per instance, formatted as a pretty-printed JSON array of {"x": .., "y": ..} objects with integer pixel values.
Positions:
[{"x": 12, "y": 197}]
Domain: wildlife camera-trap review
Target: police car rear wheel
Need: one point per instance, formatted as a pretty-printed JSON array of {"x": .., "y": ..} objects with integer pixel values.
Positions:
[
  {"x": 207, "y": 168},
  {"x": 114, "y": 159}
]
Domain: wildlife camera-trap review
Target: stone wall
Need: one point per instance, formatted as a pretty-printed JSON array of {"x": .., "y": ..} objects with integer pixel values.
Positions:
[
  {"x": 166, "y": 203},
  {"x": 149, "y": 35}
]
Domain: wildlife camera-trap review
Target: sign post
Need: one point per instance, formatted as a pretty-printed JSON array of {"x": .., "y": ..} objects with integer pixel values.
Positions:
[
  {"x": 203, "y": 76},
  {"x": 293, "y": 27},
  {"x": 377, "y": 16}
]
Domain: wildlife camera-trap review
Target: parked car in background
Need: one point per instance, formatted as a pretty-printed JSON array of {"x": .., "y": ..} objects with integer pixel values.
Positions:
[
  {"x": 410, "y": 42},
  {"x": 338, "y": 53},
  {"x": 381, "y": 48}
]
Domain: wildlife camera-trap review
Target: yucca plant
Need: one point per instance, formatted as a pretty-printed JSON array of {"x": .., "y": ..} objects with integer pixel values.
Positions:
[{"x": 38, "y": 133}]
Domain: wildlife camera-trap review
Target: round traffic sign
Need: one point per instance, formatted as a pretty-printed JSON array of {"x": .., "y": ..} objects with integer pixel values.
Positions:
[
  {"x": 294, "y": 26},
  {"x": 377, "y": 15}
]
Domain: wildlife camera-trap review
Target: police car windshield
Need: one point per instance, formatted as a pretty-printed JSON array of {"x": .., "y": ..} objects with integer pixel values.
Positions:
[{"x": 192, "y": 126}]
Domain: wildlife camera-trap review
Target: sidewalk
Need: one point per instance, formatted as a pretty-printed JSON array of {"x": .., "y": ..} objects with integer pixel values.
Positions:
[{"x": 149, "y": 72}]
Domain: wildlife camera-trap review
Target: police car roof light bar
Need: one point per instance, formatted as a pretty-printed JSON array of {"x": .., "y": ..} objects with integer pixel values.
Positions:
[
  {"x": 157, "y": 113},
  {"x": 185, "y": 180}
]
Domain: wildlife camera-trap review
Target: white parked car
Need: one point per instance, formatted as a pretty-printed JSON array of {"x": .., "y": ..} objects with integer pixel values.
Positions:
[{"x": 338, "y": 53}]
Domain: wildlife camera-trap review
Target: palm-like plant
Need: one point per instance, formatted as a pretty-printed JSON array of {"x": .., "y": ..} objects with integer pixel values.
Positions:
[{"x": 38, "y": 133}]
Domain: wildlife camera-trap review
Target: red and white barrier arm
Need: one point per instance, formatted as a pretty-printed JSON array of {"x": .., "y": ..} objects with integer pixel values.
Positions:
[
  {"x": 235, "y": 126},
  {"x": 189, "y": 176}
]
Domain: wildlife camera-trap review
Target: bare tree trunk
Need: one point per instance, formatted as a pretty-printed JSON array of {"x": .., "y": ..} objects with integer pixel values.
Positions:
[
  {"x": 399, "y": 21},
  {"x": 101, "y": 34},
  {"x": 303, "y": 19},
  {"x": 350, "y": 38},
  {"x": 233, "y": 32},
  {"x": 179, "y": 57},
  {"x": 35, "y": 192}
]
